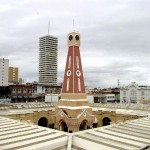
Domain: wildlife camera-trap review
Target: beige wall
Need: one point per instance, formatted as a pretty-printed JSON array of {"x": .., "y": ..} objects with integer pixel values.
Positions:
[{"x": 100, "y": 115}]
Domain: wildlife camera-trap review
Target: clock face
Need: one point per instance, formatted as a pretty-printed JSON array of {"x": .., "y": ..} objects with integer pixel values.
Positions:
[
  {"x": 77, "y": 37},
  {"x": 70, "y": 37},
  {"x": 78, "y": 73},
  {"x": 68, "y": 73}
]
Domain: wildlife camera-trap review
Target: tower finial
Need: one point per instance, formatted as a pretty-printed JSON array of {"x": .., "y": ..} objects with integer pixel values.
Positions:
[
  {"x": 73, "y": 25},
  {"x": 48, "y": 27}
]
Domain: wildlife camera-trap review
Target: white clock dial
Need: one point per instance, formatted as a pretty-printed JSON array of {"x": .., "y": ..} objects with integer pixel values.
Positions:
[
  {"x": 69, "y": 73},
  {"x": 78, "y": 73}
]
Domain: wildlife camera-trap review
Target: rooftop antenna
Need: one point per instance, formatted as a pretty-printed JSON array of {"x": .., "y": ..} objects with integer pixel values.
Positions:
[
  {"x": 48, "y": 27},
  {"x": 118, "y": 84}
]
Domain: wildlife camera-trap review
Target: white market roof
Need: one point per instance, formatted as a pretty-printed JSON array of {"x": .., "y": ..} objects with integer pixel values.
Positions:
[{"x": 133, "y": 135}]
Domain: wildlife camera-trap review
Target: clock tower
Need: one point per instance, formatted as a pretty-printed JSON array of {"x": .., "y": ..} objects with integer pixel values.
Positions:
[{"x": 73, "y": 112}]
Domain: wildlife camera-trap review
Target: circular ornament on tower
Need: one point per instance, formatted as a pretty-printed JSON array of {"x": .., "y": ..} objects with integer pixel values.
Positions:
[
  {"x": 84, "y": 114},
  {"x": 68, "y": 73}
]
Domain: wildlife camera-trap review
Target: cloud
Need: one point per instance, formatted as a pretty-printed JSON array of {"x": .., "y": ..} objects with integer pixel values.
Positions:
[{"x": 114, "y": 37}]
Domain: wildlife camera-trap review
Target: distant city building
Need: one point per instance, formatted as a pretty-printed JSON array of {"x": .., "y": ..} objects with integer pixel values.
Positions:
[
  {"x": 30, "y": 92},
  {"x": 134, "y": 93},
  {"x": 21, "y": 93},
  {"x": 4, "y": 64},
  {"x": 13, "y": 75},
  {"x": 39, "y": 89},
  {"x": 48, "y": 60},
  {"x": 101, "y": 98},
  {"x": 110, "y": 95},
  {"x": 22, "y": 81}
]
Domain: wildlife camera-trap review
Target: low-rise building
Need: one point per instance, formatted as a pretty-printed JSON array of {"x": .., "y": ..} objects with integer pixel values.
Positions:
[
  {"x": 21, "y": 93},
  {"x": 31, "y": 92},
  {"x": 110, "y": 95},
  {"x": 101, "y": 98},
  {"x": 134, "y": 93}
]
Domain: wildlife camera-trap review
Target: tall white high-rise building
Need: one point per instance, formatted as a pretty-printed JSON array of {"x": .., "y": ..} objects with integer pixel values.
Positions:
[
  {"x": 48, "y": 60},
  {"x": 4, "y": 64}
]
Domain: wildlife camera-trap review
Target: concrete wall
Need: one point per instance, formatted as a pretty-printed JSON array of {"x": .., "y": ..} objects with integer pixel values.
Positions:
[{"x": 52, "y": 98}]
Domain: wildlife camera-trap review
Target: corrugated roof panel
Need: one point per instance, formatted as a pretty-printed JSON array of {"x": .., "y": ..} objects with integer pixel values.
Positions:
[
  {"x": 17, "y": 135},
  {"x": 133, "y": 134}
]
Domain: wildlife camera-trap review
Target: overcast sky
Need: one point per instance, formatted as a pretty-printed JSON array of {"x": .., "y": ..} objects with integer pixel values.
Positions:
[{"x": 115, "y": 37}]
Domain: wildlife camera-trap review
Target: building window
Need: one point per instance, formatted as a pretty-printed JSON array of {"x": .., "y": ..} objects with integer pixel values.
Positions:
[
  {"x": 133, "y": 93},
  {"x": 124, "y": 100},
  {"x": 142, "y": 93},
  {"x": 19, "y": 91},
  {"x": 14, "y": 91},
  {"x": 24, "y": 91},
  {"x": 96, "y": 99},
  {"x": 133, "y": 96},
  {"x": 124, "y": 92},
  {"x": 30, "y": 91}
]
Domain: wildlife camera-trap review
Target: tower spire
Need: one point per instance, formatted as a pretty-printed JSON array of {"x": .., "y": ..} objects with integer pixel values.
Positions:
[
  {"x": 73, "y": 107},
  {"x": 73, "y": 25}
]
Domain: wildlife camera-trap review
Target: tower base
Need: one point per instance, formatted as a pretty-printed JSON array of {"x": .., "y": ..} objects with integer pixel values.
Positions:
[
  {"x": 82, "y": 121},
  {"x": 73, "y": 115}
]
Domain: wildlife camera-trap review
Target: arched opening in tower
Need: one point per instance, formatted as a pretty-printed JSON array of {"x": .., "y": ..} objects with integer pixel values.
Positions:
[
  {"x": 106, "y": 121},
  {"x": 43, "y": 122},
  {"x": 83, "y": 125},
  {"x": 63, "y": 126}
]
